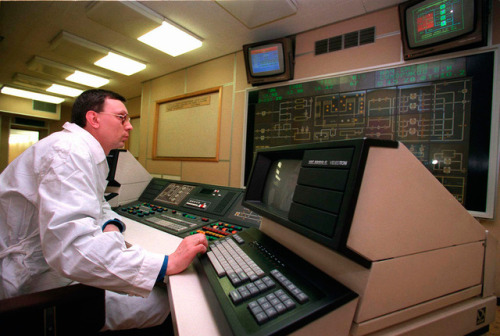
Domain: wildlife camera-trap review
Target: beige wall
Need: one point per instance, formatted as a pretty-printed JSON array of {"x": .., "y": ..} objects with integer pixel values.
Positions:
[{"x": 227, "y": 72}]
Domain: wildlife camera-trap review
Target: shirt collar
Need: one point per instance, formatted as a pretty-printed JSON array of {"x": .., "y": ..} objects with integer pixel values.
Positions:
[{"x": 94, "y": 145}]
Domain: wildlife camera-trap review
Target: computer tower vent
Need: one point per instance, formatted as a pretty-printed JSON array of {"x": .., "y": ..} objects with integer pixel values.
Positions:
[{"x": 348, "y": 40}]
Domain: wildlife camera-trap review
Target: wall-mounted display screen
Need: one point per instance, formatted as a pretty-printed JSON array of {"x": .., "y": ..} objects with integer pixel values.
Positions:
[
  {"x": 269, "y": 61},
  {"x": 430, "y": 27},
  {"x": 434, "y": 21}
]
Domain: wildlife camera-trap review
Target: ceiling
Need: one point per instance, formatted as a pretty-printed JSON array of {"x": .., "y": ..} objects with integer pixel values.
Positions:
[{"x": 33, "y": 34}]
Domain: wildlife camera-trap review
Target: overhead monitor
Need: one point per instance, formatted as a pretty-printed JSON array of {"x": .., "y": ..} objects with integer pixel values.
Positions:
[
  {"x": 269, "y": 61},
  {"x": 431, "y": 27}
]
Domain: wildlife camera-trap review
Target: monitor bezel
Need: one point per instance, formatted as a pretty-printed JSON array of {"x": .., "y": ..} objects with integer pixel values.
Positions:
[
  {"x": 286, "y": 58},
  {"x": 280, "y": 59},
  {"x": 472, "y": 39}
]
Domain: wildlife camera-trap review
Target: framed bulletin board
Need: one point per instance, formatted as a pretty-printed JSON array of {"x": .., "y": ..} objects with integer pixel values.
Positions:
[{"x": 187, "y": 127}]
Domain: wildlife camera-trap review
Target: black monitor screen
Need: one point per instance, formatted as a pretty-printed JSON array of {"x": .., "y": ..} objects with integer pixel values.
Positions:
[
  {"x": 280, "y": 184},
  {"x": 436, "y": 21}
]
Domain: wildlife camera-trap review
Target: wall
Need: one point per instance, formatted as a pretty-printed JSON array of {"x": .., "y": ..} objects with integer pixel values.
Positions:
[
  {"x": 229, "y": 72},
  {"x": 12, "y": 107}
]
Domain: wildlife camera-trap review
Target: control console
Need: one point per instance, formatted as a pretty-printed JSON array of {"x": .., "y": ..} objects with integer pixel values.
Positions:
[{"x": 182, "y": 209}]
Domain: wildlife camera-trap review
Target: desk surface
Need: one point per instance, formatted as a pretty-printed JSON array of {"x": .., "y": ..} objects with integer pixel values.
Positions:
[{"x": 194, "y": 311}]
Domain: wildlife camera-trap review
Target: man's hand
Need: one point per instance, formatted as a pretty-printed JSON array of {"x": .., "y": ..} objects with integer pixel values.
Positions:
[
  {"x": 185, "y": 253},
  {"x": 111, "y": 228}
]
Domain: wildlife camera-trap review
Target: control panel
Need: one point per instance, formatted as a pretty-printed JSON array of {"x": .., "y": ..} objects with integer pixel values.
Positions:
[{"x": 183, "y": 209}]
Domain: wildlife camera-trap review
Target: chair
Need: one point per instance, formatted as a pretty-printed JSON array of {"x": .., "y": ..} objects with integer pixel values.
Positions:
[{"x": 71, "y": 310}]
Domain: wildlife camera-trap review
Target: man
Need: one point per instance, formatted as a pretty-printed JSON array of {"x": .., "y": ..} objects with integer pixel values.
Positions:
[{"x": 56, "y": 227}]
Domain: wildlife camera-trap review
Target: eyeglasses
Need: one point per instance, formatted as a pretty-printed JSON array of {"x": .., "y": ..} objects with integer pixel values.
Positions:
[{"x": 123, "y": 117}]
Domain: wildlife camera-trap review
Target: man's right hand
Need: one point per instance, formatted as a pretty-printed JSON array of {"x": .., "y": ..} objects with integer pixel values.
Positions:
[{"x": 186, "y": 252}]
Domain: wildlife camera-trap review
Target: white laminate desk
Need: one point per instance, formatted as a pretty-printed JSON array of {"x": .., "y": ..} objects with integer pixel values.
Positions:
[{"x": 194, "y": 311}]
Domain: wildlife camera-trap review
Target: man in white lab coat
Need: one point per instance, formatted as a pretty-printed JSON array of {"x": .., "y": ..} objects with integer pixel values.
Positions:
[{"x": 56, "y": 228}]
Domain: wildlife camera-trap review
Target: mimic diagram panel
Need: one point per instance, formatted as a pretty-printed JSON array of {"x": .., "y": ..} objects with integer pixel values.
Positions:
[{"x": 427, "y": 107}]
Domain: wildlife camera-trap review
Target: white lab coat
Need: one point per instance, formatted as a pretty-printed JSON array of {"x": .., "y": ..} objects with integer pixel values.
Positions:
[{"x": 52, "y": 209}]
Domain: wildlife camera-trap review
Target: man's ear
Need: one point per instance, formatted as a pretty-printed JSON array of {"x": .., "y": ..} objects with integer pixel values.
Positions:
[{"x": 92, "y": 119}]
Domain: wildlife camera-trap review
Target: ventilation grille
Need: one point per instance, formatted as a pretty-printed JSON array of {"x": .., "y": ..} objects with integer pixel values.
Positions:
[
  {"x": 349, "y": 40},
  {"x": 43, "y": 106},
  {"x": 28, "y": 122}
]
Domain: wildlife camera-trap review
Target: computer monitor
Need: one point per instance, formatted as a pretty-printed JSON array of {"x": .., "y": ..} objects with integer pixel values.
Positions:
[
  {"x": 315, "y": 190},
  {"x": 311, "y": 188},
  {"x": 269, "y": 61},
  {"x": 127, "y": 178},
  {"x": 431, "y": 27}
]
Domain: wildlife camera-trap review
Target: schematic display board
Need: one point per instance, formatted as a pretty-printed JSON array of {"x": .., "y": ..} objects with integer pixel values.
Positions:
[{"x": 440, "y": 110}]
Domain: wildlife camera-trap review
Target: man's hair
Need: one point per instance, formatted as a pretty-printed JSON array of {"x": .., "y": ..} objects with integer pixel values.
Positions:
[{"x": 91, "y": 100}]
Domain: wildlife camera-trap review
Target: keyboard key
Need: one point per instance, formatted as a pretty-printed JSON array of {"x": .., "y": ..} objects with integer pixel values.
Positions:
[
  {"x": 245, "y": 293},
  {"x": 260, "y": 285},
  {"x": 261, "y": 317},
  {"x": 253, "y": 305},
  {"x": 289, "y": 304},
  {"x": 269, "y": 282},
  {"x": 271, "y": 313},
  {"x": 265, "y": 305},
  {"x": 215, "y": 263},
  {"x": 280, "y": 308},
  {"x": 238, "y": 239},
  {"x": 235, "y": 296},
  {"x": 253, "y": 289},
  {"x": 297, "y": 293}
]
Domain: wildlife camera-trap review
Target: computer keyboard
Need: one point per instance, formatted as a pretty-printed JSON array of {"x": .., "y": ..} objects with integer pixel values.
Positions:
[{"x": 264, "y": 289}]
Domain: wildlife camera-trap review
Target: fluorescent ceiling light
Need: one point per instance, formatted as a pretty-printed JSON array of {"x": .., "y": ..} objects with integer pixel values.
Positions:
[
  {"x": 64, "y": 90},
  {"x": 120, "y": 64},
  {"x": 170, "y": 40},
  {"x": 87, "y": 79},
  {"x": 31, "y": 95}
]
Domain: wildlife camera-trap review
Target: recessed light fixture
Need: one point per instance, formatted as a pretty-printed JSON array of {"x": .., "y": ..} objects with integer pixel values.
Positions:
[
  {"x": 87, "y": 79},
  {"x": 64, "y": 90},
  {"x": 171, "y": 39},
  {"x": 31, "y": 95},
  {"x": 121, "y": 64}
]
